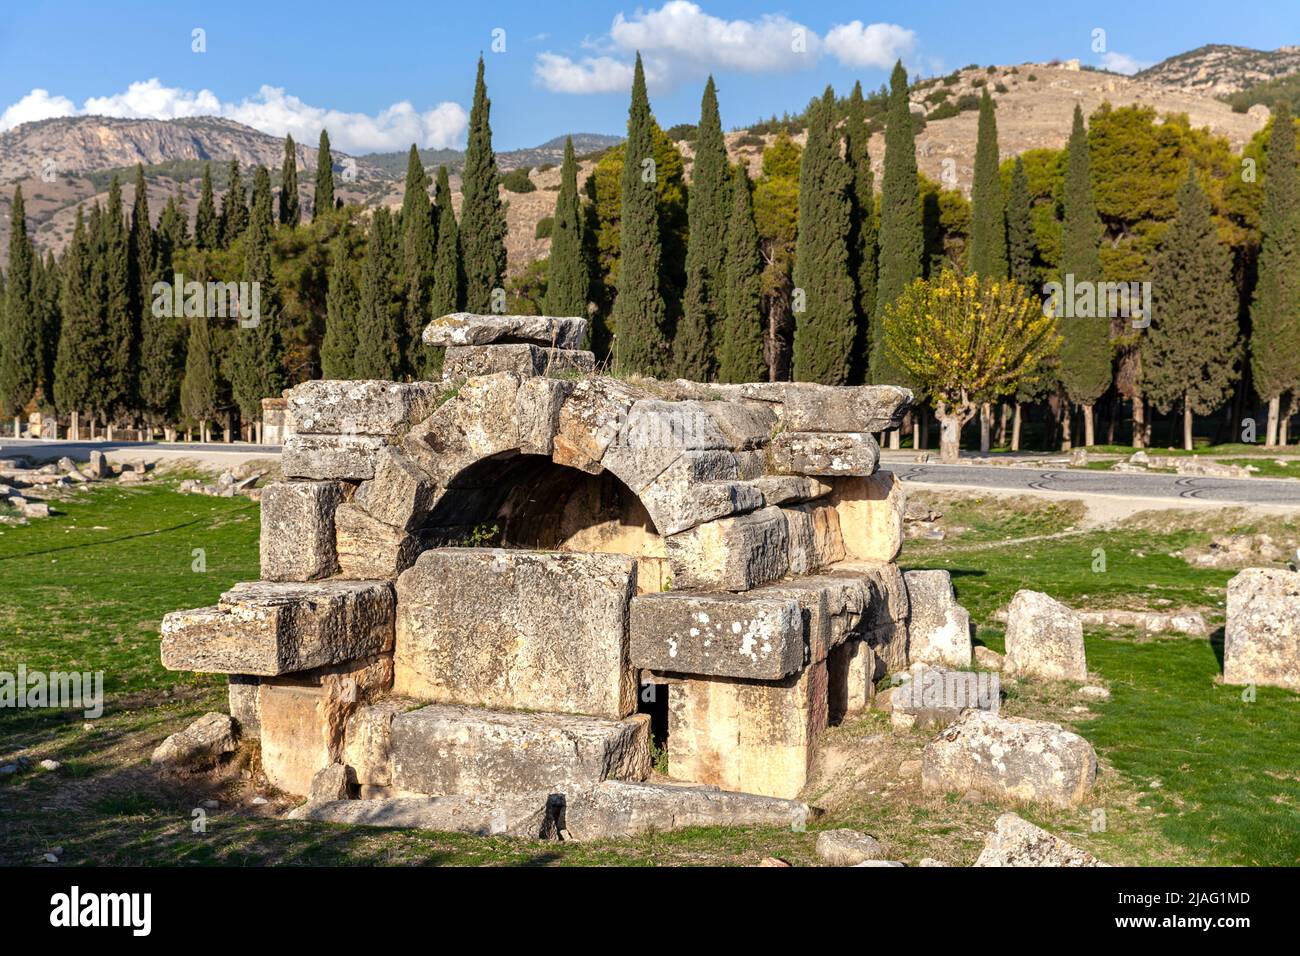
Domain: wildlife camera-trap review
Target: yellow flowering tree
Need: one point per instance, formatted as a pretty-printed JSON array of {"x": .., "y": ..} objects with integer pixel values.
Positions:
[{"x": 967, "y": 340}]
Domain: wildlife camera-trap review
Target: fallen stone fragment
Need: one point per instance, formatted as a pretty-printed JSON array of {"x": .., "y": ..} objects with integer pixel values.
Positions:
[
  {"x": 934, "y": 697},
  {"x": 200, "y": 744},
  {"x": 1093, "y": 692},
  {"x": 617, "y": 808},
  {"x": 1017, "y": 842},
  {"x": 987, "y": 659},
  {"x": 530, "y": 816},
  {"x": 1262, "y": 638},
  {"x": 848, "y": 847},
  {"x": 939, "y": 628},
  {"x": 880, "y": 863},
  {"x": 468, "y": 328},
  {"x": 1044, "y": 639},
  {"x": 330, "y": 783}
]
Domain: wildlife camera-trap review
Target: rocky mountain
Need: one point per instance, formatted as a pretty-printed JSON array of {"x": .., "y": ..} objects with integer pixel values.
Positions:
[{"x": 1219, "y": 69}]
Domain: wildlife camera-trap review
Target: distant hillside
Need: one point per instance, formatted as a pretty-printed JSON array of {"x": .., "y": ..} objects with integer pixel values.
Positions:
[
  {"x": 1220, "y": 70},
  {"x": 552, "y": 151}
]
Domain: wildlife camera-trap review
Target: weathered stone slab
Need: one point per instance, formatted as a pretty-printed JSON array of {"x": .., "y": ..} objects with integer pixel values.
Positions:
[
  {"x": 443, "y": 749},
  {"x": 934, "y": 697},
  {"x": 400, "y": 494},
  {"x": 468, "y": 328},
  {"x": 367, "y": 548},
  {"x": 529, "y": 816},
  {"x": 617, "y": 808},
  {"x": 824, "y": 453},
  {"x": 871, "y": 515},
  {"x": 1044, "y": 639},
  {"x": 242, "y": 697},
  {"x": 1017, "y": 842},
  {"x": 1010, "y": 758},
  {"x": 479, "y": 420},
  {"x": 297, "y": 542},
  {"x": 732, "y": 554},
  {"x": 939, "y": 629},
  {"x": 367, "y": 742},
  {"x": 886, "y": 611},
  {"x": 814, "y": 532},
  {"x": 364, "y": 407},
  {"x": 266, "y": 629},
  {"x": 698, "y": 486},
  {"x": 790, "y": 489},
  {"x": 350, "y": 457},
  {"x": 1262, "y": 638},
  {"x": 528, "y": 360},
  {"x": 512, "y": 628},
  {"x": 200, "y": 744},
  {"x": 744, "y": 735},
  {"x": 844, "y": 847},
  {"x": 591, "y": 418},
  {"x": 831, "y": 607},
  {"x": 727, "y": 635},
  {"x": 851, "y": 678},
  {"x": 330, "y": 783},
  {"x": 810, "y": 407},
  {"x": 297, "y": 737}
]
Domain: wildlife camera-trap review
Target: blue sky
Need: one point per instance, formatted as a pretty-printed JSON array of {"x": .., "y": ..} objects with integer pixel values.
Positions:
[{"x": 381, "y": 75}]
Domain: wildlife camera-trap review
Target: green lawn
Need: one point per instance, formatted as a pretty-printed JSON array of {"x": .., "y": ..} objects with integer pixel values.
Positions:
[{"x": 1190, "y": 772}]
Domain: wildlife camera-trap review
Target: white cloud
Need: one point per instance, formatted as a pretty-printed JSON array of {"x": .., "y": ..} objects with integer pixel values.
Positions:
[
  {"x": 681, "y": 42},
  {"x": 271, "y": 110},
  {"x": 1123, "y": 63},
  {"x": 872, "y": 45}
]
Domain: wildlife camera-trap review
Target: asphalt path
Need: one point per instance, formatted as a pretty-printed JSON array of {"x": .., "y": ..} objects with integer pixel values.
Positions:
[{"x": 80, "y": 450}]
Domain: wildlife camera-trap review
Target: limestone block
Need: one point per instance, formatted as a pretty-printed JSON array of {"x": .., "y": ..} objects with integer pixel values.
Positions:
[
  {"x": 886, "y": 609},
  {"x": 242, "y": 695},
  {"x": 732, "y": 554},
  {"x": 528, "y": 816},
  {"x": 863, "y": 408},
  {"x": 442, "y": 749},
  {"x": 844, "y": 847},
  {"x": 481, "y": 419},
  {"x": 297, "y": 542},
  {"x": 367, "y": 548},
  {"x": 791, "y": 489},
  {"x": 934, "y": 697},
  {"x": 1044, "y": 639},
  {"x": 367, "y": 741},
  {"x": 938, "y": 631},
  {"x": 400, "y": 494},
  {"x": 324, "y": 407},
  {"x": 871, "y": 515},
  {"x": 512, "y": 628},
  {"x": 815, "y": 539},
  {"x": 1010, "y": 758},
  {"x": 744, "y": 735},
  {"x": 466, "y": 361},
  {"x": 824, "y": 453},
  {"x": 266, "y": 629},
  {"x": 1017, "y": 842},
  {"x": 350, "y": 457},
  {"x": 200, "y": 744},
  {"x": 1262, "y": 639},
  {"x": 468, "y": 328},
  {"x": 296, "y": 735},
  {"x": 851, "y": 679},
  {"x": 593, "y": 414},
  {"x": 729, "y": 635},
  {"x": 832, "y": 607},
  {"x": 618, "y": 808}
]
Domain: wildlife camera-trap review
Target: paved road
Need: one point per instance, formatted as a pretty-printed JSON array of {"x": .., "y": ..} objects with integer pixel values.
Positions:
[
  {"x": 80, "y": 450},
  {"x": 1236, "y": 490}
]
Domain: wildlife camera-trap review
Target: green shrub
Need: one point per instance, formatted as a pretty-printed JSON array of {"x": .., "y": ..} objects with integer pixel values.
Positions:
[
  {"x": 544, "y": 227},
  {"x": 517, "y": 181}
]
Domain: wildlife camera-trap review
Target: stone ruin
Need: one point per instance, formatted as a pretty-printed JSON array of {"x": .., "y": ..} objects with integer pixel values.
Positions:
[{"x": 487, "y": 601}]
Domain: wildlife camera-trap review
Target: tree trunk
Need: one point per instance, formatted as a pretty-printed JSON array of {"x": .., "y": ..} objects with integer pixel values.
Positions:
[
  {"x": 74, "y": 426},
  {"x": 1015, "y": 428},
  {"x": 203, "y": 430},
  {"x": 1139, "y": 422},
  {"x": 1274, "y": 408},
  {"x": 949, "y": 438},
  {"x": 986, "y": 424},
  {"x": 1187, "y": 425},
  {"x": 1066, "y": 426},
  {"x": 924, "y": 417},
  {"x": 894, "y": 439},
  {"x": 1089, "y": 435},
  {"x": 1004, "y": 422}
]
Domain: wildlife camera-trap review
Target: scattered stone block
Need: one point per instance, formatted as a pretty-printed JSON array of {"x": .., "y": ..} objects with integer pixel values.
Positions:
[
  {"x": 1044, "y": 639},
  {"x": 329, "y": 783},
  {"x": 1017, "y": 842},
  {"x": 368, "y": 741},
  {"x": 200, "y": 744},
  {"x": 467, "y": 361},
  {"x": 939, "y": 629},
  {"x": 871, "y": 515},
  {"x": 297, "y": 542},
  {"x": 445, "y": 749},
  {"x": 725, "y": 635},
  {"x": 512, "y": 628},
  {"x": 98, "y": 465},
  {"x": 468, "y": 328},
  {"x": 349, "y": 457},
  {"x": 1262, "y": 638},
  {"x": 1010, "y": 758},
  {"x": 845, "y": 847},
  {"x": 362, "y": 407},
  {"x": 732, "y": 554},
  {"x": 824, "y": 453},
  {"x": 618, "y": 808},
  {"x": 367, "y": 548},
  {"x": 934, "y": 697},
  {"x": 987, "y": 659},
  {"x": 530, "y": 816},
  {"x": 266, "y": 629}
]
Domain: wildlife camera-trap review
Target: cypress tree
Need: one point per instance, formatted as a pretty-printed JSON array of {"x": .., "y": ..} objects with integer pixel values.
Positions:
[
  {"x": 206, "y": 232},
  {"x": 199, "y": 385},
  {"x": 864, "y": 230},
  {"x": 1275, "y": 308},
  {"x": 418, "y": 253},
  {"x": 339, "y": 348},
  {"x": 142, "y": 261},
  {"x": 740, "y": 350},
  {"x": 257, "y": 352},
  {"x": 988, "y": 235},
  {"x": 570, "y": 273},
  {"x": 261, "y": 201},
  {"x": 234, "y": 209},
  {"x": 902, "y": 240},
  {"x": 642, "y": 340},
  {"x": 49, "y": 295},
  {"x": 708, "y": 207},
  {"x": 1085, "y": 346},
  {"x": 121, "y": 324},
  {"x": 825, "y": 329},
  {"x": 1190, "y": 350},
  {"x": 20, "y": 342},
  {"x": 81, "y": 335},
  {"x": 324, "y": 197},
  {"x": 448, "y": 280},
  {"x": 1020, "y": 228},
  {"x": 482, "y": 219},
  {"x": 377, "y": 354},
  {"x": 290, "y": 212}
]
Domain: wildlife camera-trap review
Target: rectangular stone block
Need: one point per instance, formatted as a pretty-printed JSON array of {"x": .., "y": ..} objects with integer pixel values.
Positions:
[
  {"x": 267, "y": 628},
  {"x": 731, "y": 554},
  {"x": 885, "y": 615},
  {"x": 860, "y": 408},
  {"x": 365, "y": 407},
  {"x": 871, "y": 515},
  {"x": 528, "y": 816},
  {"x": 824, "y": 453},
  {"x": 368, "y": 738},
  {"x": 790, "y": 489},
  {"x": 368, "y": 549},
  {"x": 297, "y": 542},
  {"x": 832, "y": 609},
  {"x": 815, "y": 539},
  {"x": 296, "y": 735},
  {"x": 468, "y": 328},
  {"x": 517, "y": 629},
  {"x": 617, "y": 808},
  {"x": 851, "y": 679},
  {"x": 242, "y": 695},
  {"x": 1262, "y": 636},
  {"x": 442, "y": 749},
  {"x": 745, "y": 735},
  {"x": 727, "y": 635},
  {"x": 468, "y": 361},
  {"x": 400, "y": 494},
  {"x": 349, "y": 457}
]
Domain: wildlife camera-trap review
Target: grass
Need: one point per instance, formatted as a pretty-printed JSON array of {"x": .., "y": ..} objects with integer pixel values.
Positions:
[{"x": 1191, "y": 773}]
